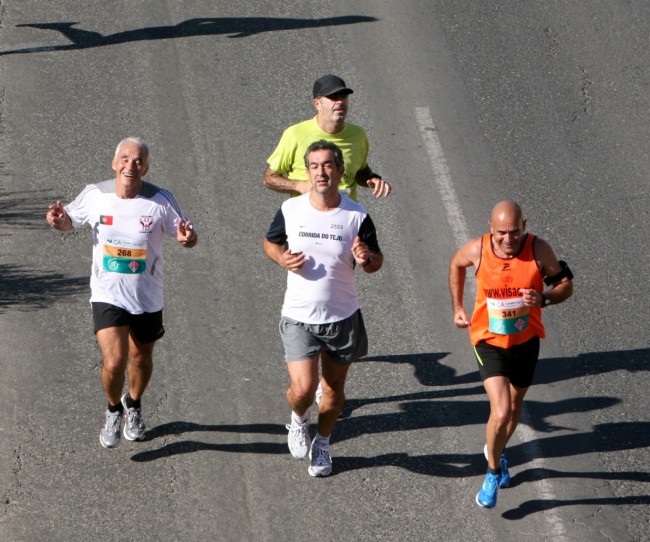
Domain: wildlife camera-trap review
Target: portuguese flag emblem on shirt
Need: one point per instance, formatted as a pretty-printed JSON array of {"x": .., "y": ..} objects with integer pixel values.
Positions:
[{"x": 106, "y": 220}]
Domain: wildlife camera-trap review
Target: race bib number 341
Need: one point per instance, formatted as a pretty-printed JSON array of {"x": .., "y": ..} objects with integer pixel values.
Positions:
[{"x": 507, "y": 316}]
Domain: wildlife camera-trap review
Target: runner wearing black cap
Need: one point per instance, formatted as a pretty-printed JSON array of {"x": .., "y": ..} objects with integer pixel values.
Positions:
[{"x": 286, "y": 169}]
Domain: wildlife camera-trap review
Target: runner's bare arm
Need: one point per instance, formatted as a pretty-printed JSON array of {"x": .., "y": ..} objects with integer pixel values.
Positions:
[
  {"x": 550, "y": 266},
  {"x": 279, "y": 183},
  {"x": 284, "y": 258},
  {"x": 468, "y": 255}
]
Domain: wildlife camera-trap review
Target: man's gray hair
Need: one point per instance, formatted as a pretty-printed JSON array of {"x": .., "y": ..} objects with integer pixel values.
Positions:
[{"x": 136, "y": 141}]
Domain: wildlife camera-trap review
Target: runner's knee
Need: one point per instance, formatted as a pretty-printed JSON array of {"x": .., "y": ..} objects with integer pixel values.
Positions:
[{"x": 114, "y": 364}]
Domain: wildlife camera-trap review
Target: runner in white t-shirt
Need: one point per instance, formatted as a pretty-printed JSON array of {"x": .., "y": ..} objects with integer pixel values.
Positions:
[
  {"x": 130, "y": 219},
  {"x": 286, "y": 171},
  {"x": 320, "y": 237}
]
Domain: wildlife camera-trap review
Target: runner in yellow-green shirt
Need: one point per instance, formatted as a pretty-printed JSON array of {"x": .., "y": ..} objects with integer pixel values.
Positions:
[{"x": 286, "y": 170}]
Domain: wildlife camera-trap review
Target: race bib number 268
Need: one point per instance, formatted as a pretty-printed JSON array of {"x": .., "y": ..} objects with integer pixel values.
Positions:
[{"x": 124, "y": 257}]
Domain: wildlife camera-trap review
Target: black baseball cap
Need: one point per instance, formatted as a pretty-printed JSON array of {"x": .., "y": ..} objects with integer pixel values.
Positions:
[{"x": 330, "y": 84}]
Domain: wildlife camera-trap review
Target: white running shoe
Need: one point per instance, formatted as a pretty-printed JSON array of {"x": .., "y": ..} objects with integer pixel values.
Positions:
[
  {"x": 298, "y": 438},
  {"x": 321, "y": 461},
  {"x": 134, "y": 426},
  {"x": 109, "y": 436}
]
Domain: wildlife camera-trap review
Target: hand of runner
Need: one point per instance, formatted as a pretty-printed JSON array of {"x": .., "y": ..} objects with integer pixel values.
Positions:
[
  {"x": 380, "y": 187},
  {"x": 56, "y": 215},
  {"x": 293, "y": 262},
  {"x": 185, "y": 234},
  {"x": 460, "y": 318},
  {"x": 532, "y": 298},
  {"x": 360, "y": 251}
]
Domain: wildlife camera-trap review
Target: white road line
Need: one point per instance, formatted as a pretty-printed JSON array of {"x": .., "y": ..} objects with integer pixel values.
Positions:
[
  {"x": 543, "y": 486},
  {"x": 459, "y": 228},
  {"x": 441, "y": 175}
]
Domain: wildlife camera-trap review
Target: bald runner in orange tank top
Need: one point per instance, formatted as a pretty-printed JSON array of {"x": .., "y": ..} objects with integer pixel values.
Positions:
[{"x": 512, "y": 269}]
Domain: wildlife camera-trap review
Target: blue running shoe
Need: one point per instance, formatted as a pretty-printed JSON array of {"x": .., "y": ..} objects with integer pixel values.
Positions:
[
  {"x": 487, "y": 496},
  {"x": 505, "y": 473}
]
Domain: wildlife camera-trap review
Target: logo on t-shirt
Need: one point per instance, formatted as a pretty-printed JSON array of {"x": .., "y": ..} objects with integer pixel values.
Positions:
[
  {"x": 106, "y": 220},
  {"x": 147, "y": 222}
]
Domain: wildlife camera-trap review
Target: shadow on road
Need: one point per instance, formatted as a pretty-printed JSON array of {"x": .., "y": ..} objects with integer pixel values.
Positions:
[
  {"x": 234, "y": 27},
  {"x": 178, "y": 428},
  {"x": 29, "y": 290},
  {"x": 429, "y": 409},
  {"x": 190, "y": 446},
  {"x": 539, "y": 505},
  {"x": 22, "y": 287},
  {"x": 24, "y": 210}
]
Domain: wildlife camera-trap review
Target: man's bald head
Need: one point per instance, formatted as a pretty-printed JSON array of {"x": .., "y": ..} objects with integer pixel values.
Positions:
[
  {"x": 506, "y": 210},
  {"x": 507, "y": 225}
]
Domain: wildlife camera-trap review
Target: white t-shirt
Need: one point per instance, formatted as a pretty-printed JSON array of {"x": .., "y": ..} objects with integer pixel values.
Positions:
[
  {"x": 127, "y": 266},
  {"x": 324, "y": 289}
]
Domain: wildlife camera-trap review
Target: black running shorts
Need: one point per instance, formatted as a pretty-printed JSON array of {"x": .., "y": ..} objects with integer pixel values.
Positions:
[
  {"x": 516, "y": 363},
  {"x": 146, "y": 327}
]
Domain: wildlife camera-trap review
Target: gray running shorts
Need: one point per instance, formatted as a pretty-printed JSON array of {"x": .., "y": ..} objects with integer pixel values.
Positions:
[{"x": 344, "y": 341}]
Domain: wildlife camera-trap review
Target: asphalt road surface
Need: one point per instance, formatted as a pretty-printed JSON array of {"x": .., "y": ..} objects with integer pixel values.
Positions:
[{"x": 465, "y": 103}]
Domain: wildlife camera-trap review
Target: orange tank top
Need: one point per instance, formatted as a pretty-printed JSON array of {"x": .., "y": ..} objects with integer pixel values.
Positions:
[{"x": 500, "y": 317}]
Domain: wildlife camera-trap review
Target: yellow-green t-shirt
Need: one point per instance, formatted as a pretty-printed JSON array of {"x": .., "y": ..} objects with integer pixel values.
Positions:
[{"x": 288, "y": 157}]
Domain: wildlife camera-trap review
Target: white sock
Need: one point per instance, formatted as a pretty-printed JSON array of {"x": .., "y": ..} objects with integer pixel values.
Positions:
[{"x": 300, "y": 419}]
